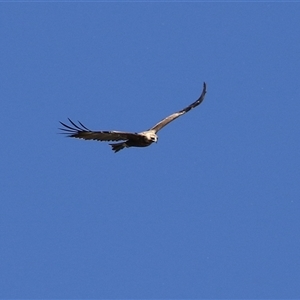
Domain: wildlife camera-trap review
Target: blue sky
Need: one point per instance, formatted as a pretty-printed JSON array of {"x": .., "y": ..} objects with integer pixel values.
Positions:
[{"x": 210, "y": 211}]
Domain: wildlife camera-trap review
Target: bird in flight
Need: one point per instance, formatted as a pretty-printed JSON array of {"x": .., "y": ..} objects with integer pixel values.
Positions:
[{"x": 128, "y": 139}]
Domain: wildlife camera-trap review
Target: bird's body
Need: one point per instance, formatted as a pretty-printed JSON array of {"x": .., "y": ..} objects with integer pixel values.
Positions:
[
  {"x": 129, "y": 139},
  {"x": 143, "y": 139}
]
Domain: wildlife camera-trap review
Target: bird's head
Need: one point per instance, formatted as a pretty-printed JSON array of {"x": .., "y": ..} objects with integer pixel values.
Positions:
[
  {"x": 151, "y": 136},
  {"x": 154, "y": 138}
]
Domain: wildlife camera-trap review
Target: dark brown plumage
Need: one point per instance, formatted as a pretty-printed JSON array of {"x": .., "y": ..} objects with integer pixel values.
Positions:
[{"x": 128, "y": 139}]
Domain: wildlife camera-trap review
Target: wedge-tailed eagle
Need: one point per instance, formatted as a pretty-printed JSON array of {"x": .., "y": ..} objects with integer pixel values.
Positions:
[{"x": 129, "y": 139}]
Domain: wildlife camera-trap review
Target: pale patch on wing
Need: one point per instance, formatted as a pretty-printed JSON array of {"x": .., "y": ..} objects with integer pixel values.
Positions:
[{"x": 174, "y": 116}]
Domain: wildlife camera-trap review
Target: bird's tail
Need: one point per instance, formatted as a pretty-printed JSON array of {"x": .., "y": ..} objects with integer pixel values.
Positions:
[{"x": 119, "y": 146}]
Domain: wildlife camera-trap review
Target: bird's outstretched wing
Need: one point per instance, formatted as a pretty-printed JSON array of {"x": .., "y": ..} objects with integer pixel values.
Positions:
[
  {"x": 82, "y": 132},
  {"x": 174, "y": 116}
]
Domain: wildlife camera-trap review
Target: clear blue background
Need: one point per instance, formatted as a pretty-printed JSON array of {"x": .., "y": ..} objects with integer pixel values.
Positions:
[{"x": 210, "y": 211}]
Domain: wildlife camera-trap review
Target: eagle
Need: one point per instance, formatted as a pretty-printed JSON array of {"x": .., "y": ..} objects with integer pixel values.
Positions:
[{"x": 128, "y": 139}]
